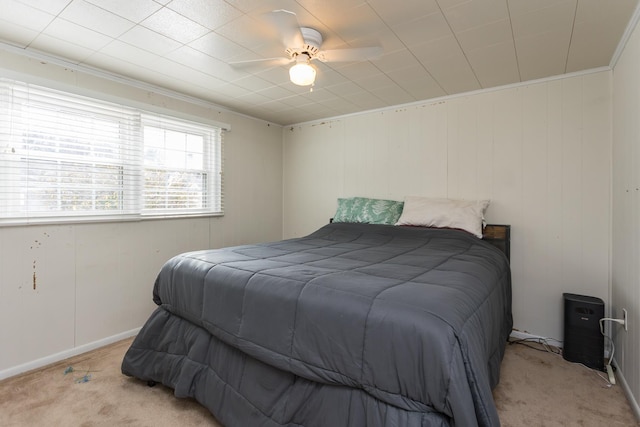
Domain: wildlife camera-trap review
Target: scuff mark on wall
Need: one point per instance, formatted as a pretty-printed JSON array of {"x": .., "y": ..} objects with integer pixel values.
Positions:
[{"x": 36, "y": 244}]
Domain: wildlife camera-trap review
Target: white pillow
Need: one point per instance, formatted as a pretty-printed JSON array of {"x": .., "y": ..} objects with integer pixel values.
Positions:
[{"x": 466, "y": 215}]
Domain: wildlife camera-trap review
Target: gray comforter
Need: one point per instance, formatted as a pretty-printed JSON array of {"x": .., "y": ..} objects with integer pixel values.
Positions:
[{"x": 355, "y": 324}]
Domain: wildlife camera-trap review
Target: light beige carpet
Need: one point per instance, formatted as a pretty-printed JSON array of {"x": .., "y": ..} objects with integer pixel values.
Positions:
[{"x": 536, "y": 389}]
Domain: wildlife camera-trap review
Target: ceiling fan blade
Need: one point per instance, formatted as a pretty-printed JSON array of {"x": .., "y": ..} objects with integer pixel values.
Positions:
[
  {"x": 347, "y": 55},
  {"x": 287, "y": 25},
  {"x": 266, "y": 62}
]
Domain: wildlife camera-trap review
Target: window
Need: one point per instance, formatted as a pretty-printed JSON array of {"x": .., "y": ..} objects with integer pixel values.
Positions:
[
  {"x": 181, "y": 166},
  {"x": 65, "y": 157}
]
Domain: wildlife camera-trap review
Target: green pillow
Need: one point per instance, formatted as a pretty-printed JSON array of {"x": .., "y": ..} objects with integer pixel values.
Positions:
[{"x": 370, "y": 211}]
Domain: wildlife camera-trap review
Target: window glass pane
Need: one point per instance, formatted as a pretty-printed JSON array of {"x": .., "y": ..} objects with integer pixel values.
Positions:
[
  {"x": 195, "y": 151},
  {"x": 165, "y": 189}
]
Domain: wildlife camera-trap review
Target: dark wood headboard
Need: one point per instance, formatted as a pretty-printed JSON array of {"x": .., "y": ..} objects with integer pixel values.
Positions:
[{"x": 499, "y": 235}]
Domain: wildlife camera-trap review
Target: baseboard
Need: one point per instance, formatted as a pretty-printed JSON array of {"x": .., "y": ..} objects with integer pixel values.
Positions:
[
  {"x": 627, "y": 390},
  {"x": 39, "y": 363},
  {"x": 519, "y": 335}
]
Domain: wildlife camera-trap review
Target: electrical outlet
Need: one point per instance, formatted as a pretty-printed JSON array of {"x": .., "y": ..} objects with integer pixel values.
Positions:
[{"x": 626, "y": 320}]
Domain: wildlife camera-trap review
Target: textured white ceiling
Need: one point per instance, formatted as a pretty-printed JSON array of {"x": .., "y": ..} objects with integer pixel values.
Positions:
[{"x": 431, "y": 48}]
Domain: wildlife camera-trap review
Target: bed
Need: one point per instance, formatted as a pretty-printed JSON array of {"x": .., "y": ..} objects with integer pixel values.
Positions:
[{"x": 353, "y": 325}]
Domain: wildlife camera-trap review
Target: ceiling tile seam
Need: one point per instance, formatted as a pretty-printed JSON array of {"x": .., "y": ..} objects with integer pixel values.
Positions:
[
  {"x": 167, "y": 6},
  {"x": 395, "y": 85},
  {"x": 81, "y": 58},
  {"x": 123, "y": 17},
  {"x": 237, "y": 6},
  {"x": 94, "y": 29},
  {"x": 460, "y": 46},
  {"x": 292, "y": 96},
  {"x": 182, "y": 44},
  {"x": 426, "y": 70},
  {"x": 218, "y": 35},
  {"x": 513, "y": 40},
  {"x": 64, "y": 8},
  {"x": 165, "y": 55},
  {"x": 46, "y": 26},
  {"x": 101, "y": 51},
  {"x": 88, "y": 28},
  {"x": 573, "y": 27},
  {"x": 356, "y": 83}
]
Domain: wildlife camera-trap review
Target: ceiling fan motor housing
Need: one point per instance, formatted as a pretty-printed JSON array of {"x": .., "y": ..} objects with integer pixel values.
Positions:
[{"x": 312, "y": 42}]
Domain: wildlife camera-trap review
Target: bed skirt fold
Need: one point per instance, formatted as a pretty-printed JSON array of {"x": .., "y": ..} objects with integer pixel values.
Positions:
[{"x": 243, "y": 391}]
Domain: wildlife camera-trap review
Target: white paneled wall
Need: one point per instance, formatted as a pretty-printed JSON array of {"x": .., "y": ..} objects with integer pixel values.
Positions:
[
  {"x": 541, "y": 152},
  {"x": 65, "y": 288},
  {"x": 37, "y": 292},
  {"x": 625, "y": 288}
]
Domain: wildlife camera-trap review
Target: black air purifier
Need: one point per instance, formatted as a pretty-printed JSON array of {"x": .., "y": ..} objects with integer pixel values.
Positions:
[{"x": 583, "y": 341}]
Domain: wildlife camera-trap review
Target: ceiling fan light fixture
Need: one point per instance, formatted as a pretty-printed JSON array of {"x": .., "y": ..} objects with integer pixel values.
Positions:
[{"x": 302, "y": 73}]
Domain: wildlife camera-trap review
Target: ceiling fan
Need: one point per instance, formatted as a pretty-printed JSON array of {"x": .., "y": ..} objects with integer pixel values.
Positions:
[{"x": 303, "y": 44}]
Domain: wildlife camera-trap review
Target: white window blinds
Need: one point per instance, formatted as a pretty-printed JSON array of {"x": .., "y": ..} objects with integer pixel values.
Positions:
[{"x": 70, "y": 158}]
